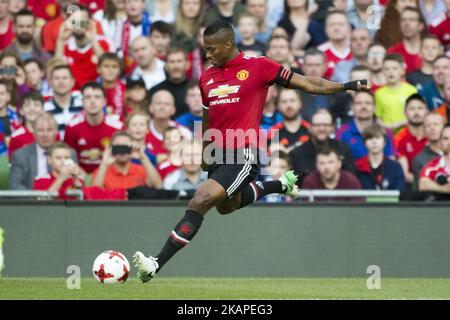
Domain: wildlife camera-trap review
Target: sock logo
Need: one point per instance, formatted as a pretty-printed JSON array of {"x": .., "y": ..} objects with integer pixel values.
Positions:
[
  {"x": 259, "y": 184},
  {"x": 185, "y": 229}
]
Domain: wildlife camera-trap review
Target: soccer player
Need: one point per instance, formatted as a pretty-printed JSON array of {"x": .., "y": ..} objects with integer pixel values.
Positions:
[{"x": 233, "y": 90}]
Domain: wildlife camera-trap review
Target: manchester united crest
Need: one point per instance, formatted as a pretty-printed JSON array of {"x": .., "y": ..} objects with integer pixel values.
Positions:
[{"x": 242, "y": 75}]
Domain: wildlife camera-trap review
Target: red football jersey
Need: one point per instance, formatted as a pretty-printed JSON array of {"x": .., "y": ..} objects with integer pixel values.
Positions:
[
  {"x": 333, "y": 57},
  {"x": 154, "y": 140},
  {"x": 409, "y": 146},
  {"x": 436, "y": 167},
  {"x": 19, "y": 139},
  {"x": 440, "y": 27},
  {"x": 45, "y": 182},
  {"x": 165, "y": 168},
  {"x": 44, "y": 9},
  {"x": 412, "y": 61},
  {"x": 115, "y": 99},
  {"x": 89, "y": 142},
  {"x": 7, "y": 38},
  {"x": 235, "y": 95},
  {"x": 83, "y": 62}
]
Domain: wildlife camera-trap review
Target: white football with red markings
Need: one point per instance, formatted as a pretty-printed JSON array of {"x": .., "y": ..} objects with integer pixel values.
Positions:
[{"x": 111, "y": 267}]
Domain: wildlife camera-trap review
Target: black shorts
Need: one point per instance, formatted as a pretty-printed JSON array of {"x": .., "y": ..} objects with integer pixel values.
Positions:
[{"x": 234, "y": 175}]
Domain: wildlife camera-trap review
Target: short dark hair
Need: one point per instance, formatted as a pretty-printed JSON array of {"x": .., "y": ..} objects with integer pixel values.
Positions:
[
  {"x": 394, "y": 57},
  {"x": 34, "y": 60},
  {"x": 419, "y": 13},
  {"x": 161, "y": 27},
  {"x": 217, "y": 26},
  {"x": 176, "y": 50},
  {"x": 110, "y": 56},
  {"x": 375, "y": 130},
  {"x": 327, "y": 150},
  {"x": 314, "y": 52},
  {"x": 278, "y": 38},
  {"x": 94, "y": 86},
  {"x": 369, "y": 93},
  {"x": 430, "y": 36},
  {"x": 61, "y": 67},
  {"x": 131, "y": 83},
  {"x": 23, "y": 12},
  {"x": 33, "y": 96},
  {"x": 414, "y": 97}
]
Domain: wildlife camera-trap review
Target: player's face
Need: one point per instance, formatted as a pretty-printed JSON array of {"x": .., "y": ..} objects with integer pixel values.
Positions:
[
  {"x": 176, "y": 66},
  {"x": 441, "y": 68},
  {"x": 24, "y": 28},
  {"x": 138, "y": 127},
  {"x": 363, "y": 106},
  {"x": 33, "y": 75},
  {"x": 431, "y": 49},
  {"x": 289, "y": 104},
  {"x": 5, "y": 96},
  {"x": 375, "y": 145},
  {"x": 31, "y": 109},
  {"x": 445, "y": 140},
  {"x": 393, "y": 71},
  {"x": 410, "y": 25},
  {"x": 109, "y": 70},
  {"x": 375, "y": 58},
  {"x": 328, "y": 166},
  {"x": 93, "y": 101},
  {"x": 45, "y": 133},
  {"x": 217, "y": 51},
  {"x": 62, "y": 81},
  {"x": 415, "y": 112},
  {"x": 58, "y": 158},
  {"x": 321, "y": 126},
  {"x": 433, "y": 125},
  {"x": 194, "y": 100}
]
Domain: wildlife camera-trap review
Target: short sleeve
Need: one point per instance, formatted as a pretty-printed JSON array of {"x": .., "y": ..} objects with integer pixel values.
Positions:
[{"x": 269, "y": 70}]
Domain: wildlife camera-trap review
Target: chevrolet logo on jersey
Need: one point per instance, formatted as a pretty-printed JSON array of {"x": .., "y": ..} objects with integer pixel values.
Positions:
[{"x": 223, "y": 91}]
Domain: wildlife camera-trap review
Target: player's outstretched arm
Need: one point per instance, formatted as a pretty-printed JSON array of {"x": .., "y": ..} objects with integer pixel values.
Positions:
[{"x": 316, "y": 85}]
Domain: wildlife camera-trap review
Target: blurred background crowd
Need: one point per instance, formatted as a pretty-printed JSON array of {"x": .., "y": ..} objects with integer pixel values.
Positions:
[{"x": 102, "y": 96}]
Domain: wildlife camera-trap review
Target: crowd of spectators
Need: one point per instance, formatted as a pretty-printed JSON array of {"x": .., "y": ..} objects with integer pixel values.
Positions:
[{"x": 103, "y": 95}]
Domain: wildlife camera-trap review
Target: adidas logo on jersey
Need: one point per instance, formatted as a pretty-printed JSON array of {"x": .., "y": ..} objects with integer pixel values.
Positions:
[
  {"x": 82, "y": 142},
  {"x": 210, "y": 81}
]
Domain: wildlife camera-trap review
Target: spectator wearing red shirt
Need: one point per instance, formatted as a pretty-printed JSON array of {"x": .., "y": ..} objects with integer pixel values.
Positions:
[
  {"x": 162, "y": 108},
  {"x": 412, "y": 25},
  {"x": 118, "y": 172},
  {"x": 293, "y": 130},
  {"x": 337, "y": 49},
  {"x": 65, "y": 174},
  {"x": 440, "y": 26},
  {"x": 90, "y": 133},
  {"x": 109, "y": 70},
  {"x": 32, "y": 108},
  {"x": 435, "y": 176},
  {"x": 81, "y": 48},
  {"x": 329, "y": 175},
  {"x": 410, "y": 140},
  {"x": 6, "y": 25},
  {"x": 172, "y": 161}
]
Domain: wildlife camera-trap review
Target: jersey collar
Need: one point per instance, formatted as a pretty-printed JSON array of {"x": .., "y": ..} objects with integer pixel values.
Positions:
[{"x": 234, "y": 61}]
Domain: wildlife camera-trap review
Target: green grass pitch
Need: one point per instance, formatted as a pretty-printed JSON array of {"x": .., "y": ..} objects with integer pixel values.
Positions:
[{"x": 226, "y": 288}]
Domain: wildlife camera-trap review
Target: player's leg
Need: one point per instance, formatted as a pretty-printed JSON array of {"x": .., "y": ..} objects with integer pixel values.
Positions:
[{"x": 208, "y": 195}]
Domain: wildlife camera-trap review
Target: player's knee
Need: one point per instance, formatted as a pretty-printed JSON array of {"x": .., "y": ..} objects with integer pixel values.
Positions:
[
  {"x": 224, "y": 209},
  {"x": 202, "y": 199}
]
